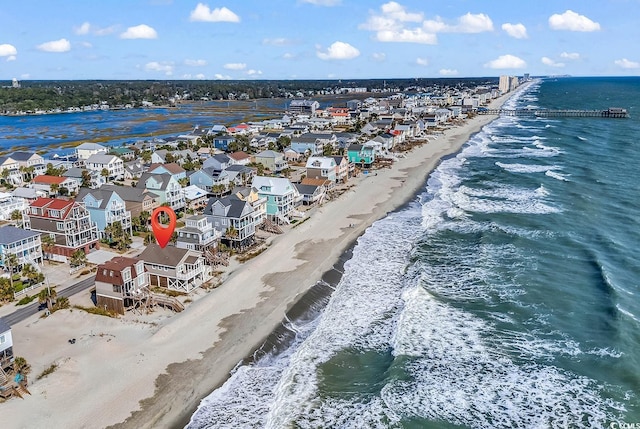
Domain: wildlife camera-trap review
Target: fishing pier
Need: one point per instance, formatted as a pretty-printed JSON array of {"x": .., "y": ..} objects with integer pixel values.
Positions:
[{"x": 611, "y": 112}]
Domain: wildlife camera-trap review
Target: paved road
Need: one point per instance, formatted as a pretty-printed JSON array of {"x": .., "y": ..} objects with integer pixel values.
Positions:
[{"x": 31, "y": 309}]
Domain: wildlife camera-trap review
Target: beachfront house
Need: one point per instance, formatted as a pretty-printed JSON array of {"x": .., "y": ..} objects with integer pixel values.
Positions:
[
  {"x": 109, "y": 166},
  {"x": 342, "y": 168},
  {"x": 85, "y": 150},
  {"x": 311, "y": 194},
  {"x": 67, "y": 221},
  {"x": 106, "y": 207},
  {"x": 234, "y": 218},
  {"x": 282, "y": 197},
  {"x": 361, "y": 154},
  {"x": 259, "y": 204},
  {"x": 198, "y": 234},
  {"x": 25, "y": 245},
  {"x": 10, "y": 203},
  {"x": 175, "y": 269},
  {"x": 271, "y": 160},
  {"x": 118, "y": 281},
  {"x": 321, "y": 167},
  {"x": 6, "y": 346},
  {"x": 166, "y": 187}
]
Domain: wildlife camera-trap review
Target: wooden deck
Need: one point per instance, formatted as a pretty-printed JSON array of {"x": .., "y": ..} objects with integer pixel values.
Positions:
[{"x": 612, "y": 112}]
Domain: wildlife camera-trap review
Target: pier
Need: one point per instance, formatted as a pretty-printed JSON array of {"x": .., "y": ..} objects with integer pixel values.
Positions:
[{"x": 611, "y": 112}]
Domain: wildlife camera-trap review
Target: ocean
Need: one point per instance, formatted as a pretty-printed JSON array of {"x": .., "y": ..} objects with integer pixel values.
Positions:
[{"x": 505, "y": 295}]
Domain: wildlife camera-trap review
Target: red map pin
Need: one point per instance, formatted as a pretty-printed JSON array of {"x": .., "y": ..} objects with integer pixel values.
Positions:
[{"x": 161, "y": 232}]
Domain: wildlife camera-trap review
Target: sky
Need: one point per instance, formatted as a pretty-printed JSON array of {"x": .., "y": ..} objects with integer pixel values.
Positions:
[{"x": 316, "y": 39}]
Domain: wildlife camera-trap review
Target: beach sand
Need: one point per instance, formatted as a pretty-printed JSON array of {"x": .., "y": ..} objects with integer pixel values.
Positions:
[{"x": 125, "y": 374}]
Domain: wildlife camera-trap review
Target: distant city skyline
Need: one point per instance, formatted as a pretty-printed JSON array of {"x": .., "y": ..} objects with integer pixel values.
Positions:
[{"x": 316, "y": 39}]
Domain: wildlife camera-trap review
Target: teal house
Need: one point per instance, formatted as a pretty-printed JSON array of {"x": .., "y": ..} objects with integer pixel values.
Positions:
[{"x": 360, "y": 154}]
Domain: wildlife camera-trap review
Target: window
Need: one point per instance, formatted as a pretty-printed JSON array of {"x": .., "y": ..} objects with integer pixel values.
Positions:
[
  {"x": 2, "y": 339},
  {"x": 117, "y": 288},
  {"x": 60, "y": 226}
]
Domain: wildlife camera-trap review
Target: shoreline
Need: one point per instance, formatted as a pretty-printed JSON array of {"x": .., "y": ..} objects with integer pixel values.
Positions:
[{"x": 164, "y": 370}]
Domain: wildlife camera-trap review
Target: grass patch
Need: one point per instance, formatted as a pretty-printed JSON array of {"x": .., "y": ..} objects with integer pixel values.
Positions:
[
  {"x": 168, "y": 292},
  {"x": 26, "y": 300},
  {"x": 52, "y": 368},
  {"x": 97, "y": 310},
  {"x": 250, "y": 255}
]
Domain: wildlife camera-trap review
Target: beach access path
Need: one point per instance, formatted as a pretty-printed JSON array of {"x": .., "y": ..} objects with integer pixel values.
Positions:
[{"x": 125, "y": 374}]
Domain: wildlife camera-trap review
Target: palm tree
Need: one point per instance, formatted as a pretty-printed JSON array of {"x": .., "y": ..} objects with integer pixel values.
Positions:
[
  {"x": 47, "y": 295},
  {"x": 54, "y": 188},
  {"x": 145, "y": 218},
  {"x": 78, "y": 258},
  {"x": 17, "y": 216},
  {"x": 105, "y": 173},
  {"x": 5, "y": 176},
  {"x": 11, "y": 263},
  {"x": 48, "y": 244},
  {"x": 86, "y": 179}
]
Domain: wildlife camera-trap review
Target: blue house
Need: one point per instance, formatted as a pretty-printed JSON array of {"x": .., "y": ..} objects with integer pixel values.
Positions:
[
  {"x": 223, "y": 142},
  {"x": 105, "y": 207},
  {"x": 206, "y": 178}
]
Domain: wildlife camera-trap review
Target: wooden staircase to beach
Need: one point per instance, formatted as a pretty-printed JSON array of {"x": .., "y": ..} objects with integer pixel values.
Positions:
[
  {"x": 9, "y": 388},
  {"x": 270, "y": 226},
  {"x": 167, "y": 301}
]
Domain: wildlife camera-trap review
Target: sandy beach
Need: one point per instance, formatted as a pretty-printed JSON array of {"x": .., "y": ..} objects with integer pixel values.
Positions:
[{"x": 152, "y": 374}]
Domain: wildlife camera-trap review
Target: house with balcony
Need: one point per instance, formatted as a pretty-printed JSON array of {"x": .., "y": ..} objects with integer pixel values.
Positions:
[
  {"x": 124, "y": 153},
  {"x": 322, "y": 167},
  {"x": 234, "y": 219},
  {"x": 169, "y": 168},
  {"x": 67, "y": 221},
  {"x": 259, "y": 204},
  {"x": 342, "y": 168},
  {"x": 10, "y": 170},
  {"x": 198, "y": 234},
  {"x": 361, "y": 154},
  {"x": 26, "y": 245},
  {"x": 167, "y": 188},
  {"x": 95, "y": 179},
  {"x": 271, "y": 160},
  {"x": 208, "y": 178},
  {"x": 111, "y": 163},
  {"x": 194, "y": 197},
  {"x": 85, "y": 150},
  {"x": 6, "y": 346},
  {"x": 282, "y": 197},
  {"x": 218, "y": 162},
  {"x": 105, "y": 208},
  {"x": 308, "y": 145},
  {"x": 136, "y": 200},
  {"x": 134, "y": 169},
  {"x": 175, "y": 269},
  {"x": 240, "y": 158},
  {"x": 30, "y": 164},
  {"x": 118, "y": 282},
  {"x": 9, "y": 204},
  {"x": 55, "y": 185},
  {"x": 311, "y": 194}
]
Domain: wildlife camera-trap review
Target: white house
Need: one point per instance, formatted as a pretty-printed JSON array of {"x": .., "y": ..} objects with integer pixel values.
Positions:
[
  {"x": 113, "y": 164},
  {"x": 85, "y": 150}
]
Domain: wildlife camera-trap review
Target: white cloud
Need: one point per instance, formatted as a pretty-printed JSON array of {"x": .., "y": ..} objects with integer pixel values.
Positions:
[
  {"x": 7, "y": 50},
  {"x": 572, "y": 21},
  {"x": 549, "y": 62},
  {"x": 141, "y": 31},
  {"x": 339, "y": 51},
  {"x": 448, "y": 72},
  {"x": 164, "y": 67},
  {"x": 195, "y": 63},
  {"x": 468, "y": 23},
  {"x": 83, "y": 29},
  {"x": 25, "y": 76},
  {"x": 570, "y": 55},
  {"x": 253, "y": 72},
  {"x": 61, "y": 45},
  {"x": 11, "y": 58},
  {"x": 506, "y": 62},
  {"x": 219, "y": 76},
  {"x": 422, "y": 61},
  {"x": 397, "y": 12},
  {"x": 379, "y": 56},
  {"x": 323, "y": 2},
  {"x": 103, "y": 31},
  {"x": 199, "y": 76},
  {"x": 235, "y": 66},
  {"x": 627, "y": 64},
  {"x": 288, "y": 56},
  {"x": 407, "y": 36},
  {"x": 518, "y": 31},
  {"x": 220, "y": 14},
  {"x": 278, "y": 41}
]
